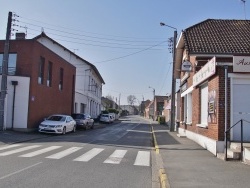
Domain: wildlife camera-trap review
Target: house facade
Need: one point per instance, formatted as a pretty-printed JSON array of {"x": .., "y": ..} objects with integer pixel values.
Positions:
[
  {"x": 39, "y": 83},
  {"x": 159, "y": 105},
  {"x": 149, "y": 110},
  {"x": 46, "y": 78},
  {"x": 214, "y": 93},
  {"x": 88, "y": 82}
]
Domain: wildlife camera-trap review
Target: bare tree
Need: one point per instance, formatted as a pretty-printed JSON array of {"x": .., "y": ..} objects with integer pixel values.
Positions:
[
  {"x": 108, "y": 101},
  {"x": 131, "y": 100}
]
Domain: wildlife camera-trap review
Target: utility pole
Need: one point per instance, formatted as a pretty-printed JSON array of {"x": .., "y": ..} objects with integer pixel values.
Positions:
[
  {"x": 153, "y": 103},
  {"x": 172, "y": 127},
  {"x": 5, "y": 72},
  {"x": 172, "y": 119}
]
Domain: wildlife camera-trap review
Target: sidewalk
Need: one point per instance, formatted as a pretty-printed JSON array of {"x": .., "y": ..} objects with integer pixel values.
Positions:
[
  {"x": 11, "y": 137},
  {"x": 187, "y": 164}
]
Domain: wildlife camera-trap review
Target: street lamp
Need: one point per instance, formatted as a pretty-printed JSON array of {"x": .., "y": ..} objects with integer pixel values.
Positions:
[
  {"x": 154, "y": 102},
  {"x": 172, "y": 119}
]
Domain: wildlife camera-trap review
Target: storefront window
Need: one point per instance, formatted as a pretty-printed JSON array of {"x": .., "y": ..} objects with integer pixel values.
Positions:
[
  {"x": 188, "y": 108},
  {"x": 204, "y": 105}
]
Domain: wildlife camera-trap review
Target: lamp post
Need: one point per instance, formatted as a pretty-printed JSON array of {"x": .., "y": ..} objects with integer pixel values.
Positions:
[
  {"x": 154, "y": 102},
  {"x": 172, "y": 119}
]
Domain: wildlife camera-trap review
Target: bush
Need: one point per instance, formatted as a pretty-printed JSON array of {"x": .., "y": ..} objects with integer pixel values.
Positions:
[
  {"x": 161, "y": 119},
  {"x": 112, "y": 110},
  {"x": 104, "y": 112}
]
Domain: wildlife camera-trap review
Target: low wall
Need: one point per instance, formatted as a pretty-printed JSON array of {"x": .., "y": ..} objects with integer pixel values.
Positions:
[{"x": 211, "y": 145}]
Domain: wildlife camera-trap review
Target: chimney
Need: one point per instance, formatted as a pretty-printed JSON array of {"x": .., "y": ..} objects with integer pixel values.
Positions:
[{"x": 20, "y": 36}]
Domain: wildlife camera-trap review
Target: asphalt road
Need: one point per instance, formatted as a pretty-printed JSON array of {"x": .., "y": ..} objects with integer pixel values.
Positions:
[{"x": 118, "y": 155}]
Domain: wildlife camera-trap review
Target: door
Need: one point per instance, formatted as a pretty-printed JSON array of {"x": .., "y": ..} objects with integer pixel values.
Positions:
[
  {"x": 240, "y": 109},
  {"x": 69, "y": 124}
]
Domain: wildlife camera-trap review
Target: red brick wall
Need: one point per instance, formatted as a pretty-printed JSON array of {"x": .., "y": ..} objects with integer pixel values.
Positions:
[
  {"x": 217, "y": 82},
  {"x": 43, "y": 100}
]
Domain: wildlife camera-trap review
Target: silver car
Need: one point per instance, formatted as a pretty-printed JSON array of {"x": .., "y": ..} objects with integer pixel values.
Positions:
[
  {"x": 58, "y": 124},
  {"x": 83, "y": 120},
  {"x": 106, "y": 118}
]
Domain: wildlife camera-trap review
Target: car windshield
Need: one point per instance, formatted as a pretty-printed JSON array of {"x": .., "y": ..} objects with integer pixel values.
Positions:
[
  {"x": 78, "y": 116},
  {"x": 105, "y": 115},
  {"x": 56, "y": 118}
]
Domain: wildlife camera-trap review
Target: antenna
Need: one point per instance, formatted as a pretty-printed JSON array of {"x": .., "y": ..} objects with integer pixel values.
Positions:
[{"x": 244, "y": 2}]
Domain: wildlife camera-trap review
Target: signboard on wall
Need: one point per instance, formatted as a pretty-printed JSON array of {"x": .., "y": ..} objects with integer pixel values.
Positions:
[
  {"x": 186, "y": 66},
  {"x": 212, "y": 109},
  {"x": 241, "y": 63},
  {"x": 205, "y": 72}
]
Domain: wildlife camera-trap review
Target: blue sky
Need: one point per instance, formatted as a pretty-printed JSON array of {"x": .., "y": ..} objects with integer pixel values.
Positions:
[{"x": 122, "y": 38}]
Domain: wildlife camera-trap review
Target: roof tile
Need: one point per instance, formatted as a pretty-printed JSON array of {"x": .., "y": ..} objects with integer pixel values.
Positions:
[{"x": 218, "y": 36}]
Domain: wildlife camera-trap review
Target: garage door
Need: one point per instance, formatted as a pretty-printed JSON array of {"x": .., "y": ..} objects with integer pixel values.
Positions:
[{"x": 240, "y": 109}]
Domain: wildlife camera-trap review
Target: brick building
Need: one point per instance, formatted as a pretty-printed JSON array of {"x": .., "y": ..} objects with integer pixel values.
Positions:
[
  {"x": 215, "y": 93},
  {"x": 45, "y": 84}
]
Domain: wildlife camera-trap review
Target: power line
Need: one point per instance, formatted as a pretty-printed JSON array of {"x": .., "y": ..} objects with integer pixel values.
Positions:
[
  {"x": 165, "y": 78},
  {"x": 82, "y": 35},
  {"x": 89, "y": 44},
  {"x": 87, "y": 31},
  {"x": 131, "y": 53}
]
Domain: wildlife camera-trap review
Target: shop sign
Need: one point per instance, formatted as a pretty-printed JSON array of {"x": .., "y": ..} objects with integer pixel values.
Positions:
[
  {"x": 212, "y": 111},
  {"x": 186, "y": 66},
  {"x": 205, "y": 72},
  {"x": 241, "y": 63}
]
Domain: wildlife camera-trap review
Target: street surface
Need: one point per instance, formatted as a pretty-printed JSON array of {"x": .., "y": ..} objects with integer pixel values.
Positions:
[{"x": 118, "y": 155}]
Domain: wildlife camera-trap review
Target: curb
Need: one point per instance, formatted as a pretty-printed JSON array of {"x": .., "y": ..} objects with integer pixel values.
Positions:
[
  {"x": 163, "y": 179},
  {"x": 157, "y": 150},
  {"x": 164, "y": 182}
]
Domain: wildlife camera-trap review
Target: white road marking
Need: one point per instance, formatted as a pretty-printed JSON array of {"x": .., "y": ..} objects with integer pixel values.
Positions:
[
  {"x": 89, "y": 155},
  {"x": 116, "y": 157},
  {"x": 64, "y": 153},
  {"x": 8, "y": 175},
  {"x": 19, "y": 150},
  {"x": 38, "y": 152},
  {"x": 10, "y": 146},
  {"x": 142, "y": 158}
]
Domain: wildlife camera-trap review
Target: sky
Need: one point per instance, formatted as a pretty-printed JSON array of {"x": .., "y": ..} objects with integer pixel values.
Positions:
[{"x": 122, "y": 38}]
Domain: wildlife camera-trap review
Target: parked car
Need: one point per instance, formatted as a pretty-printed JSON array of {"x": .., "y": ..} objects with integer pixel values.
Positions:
[
  {"x": 112, "y": 117},
  {"x": 105, "y": 118},
  {"x": 83, "y": 120},
  {"x": 58, "y": 124}
]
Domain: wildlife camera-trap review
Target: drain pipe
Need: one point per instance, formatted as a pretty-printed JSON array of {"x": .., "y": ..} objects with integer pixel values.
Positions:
[
  {"x": 14, "y": 83},
  {"x": 226, "y": 78}
]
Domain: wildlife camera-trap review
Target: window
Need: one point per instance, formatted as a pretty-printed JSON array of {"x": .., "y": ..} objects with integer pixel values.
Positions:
[
  {"x": 11, "y": 64},
  {"x": 82, "y": 108},
  {"x": 41, "y": 70},
  {"x": 49, "y": 77},
  {"x": 76, "y": 107},
  {"x": 204, "y": 105},
  {"x": 61, "y": 79},
  {"x": 188, "y": 108}
]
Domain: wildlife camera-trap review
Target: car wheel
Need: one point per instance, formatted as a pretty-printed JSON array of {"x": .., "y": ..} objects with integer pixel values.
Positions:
[
  {"x": 64, "y": 130},
  {"x": 86, "y": 126},
  {"x": 92, "y": 127},
  {"x": 74, "y": 129}
]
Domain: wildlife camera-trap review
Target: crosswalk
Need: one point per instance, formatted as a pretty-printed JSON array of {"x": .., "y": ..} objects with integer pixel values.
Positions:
[{"x": 142, "y": 157}]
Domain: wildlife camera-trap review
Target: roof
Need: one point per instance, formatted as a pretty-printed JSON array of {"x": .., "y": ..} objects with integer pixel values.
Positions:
[
  {"x": 146, "y": 103},
  {"x": 150, "y": 105},
  {"x": 161, "y": 98},
  {"x": 218, "y": 36},
  {"x": 214, "y": 37},
  {"x": 78, "y": 57}
]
